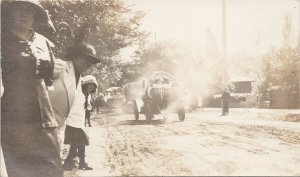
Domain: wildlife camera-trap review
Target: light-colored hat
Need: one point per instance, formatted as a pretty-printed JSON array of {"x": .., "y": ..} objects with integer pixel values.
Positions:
[{"x": 89, "y": 79}]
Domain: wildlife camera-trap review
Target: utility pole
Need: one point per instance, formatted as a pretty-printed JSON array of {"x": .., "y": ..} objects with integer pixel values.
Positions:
[
  {"x": 224, "y": 47},
  {"x": 257, "y": 43}
]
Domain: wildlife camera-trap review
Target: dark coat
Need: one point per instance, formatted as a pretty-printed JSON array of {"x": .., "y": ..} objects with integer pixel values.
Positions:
[{"x": 28, "y": 133}]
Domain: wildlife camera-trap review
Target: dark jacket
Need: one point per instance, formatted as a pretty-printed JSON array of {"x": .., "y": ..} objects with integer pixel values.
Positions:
[
  {"x": 14, "y": 51},
  {"x": 30, "y": 145}
]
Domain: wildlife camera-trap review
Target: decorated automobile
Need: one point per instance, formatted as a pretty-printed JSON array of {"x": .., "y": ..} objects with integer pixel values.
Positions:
[
  {"x": 162, "y": 93},
  {"x": 113, "y": 98}
]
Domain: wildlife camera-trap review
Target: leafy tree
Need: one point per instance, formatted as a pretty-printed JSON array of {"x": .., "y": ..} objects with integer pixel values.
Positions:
[
  {"x": 131, "y": 72},
  {"x": 112, "y": 26},
  {"x": 154, "y": 57},
  {"x": 278, "y": 64},
  {"x": 107, "y": 75}
]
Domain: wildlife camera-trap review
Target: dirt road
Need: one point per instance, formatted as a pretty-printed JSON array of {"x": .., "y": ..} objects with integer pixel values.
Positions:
[{"x": 246, "y": 142}]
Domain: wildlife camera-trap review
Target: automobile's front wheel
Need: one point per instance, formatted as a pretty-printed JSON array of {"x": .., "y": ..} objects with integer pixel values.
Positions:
[
  {"x": 135, "y": 111},
  {"x": 181, "y": 114},
  {"x": 148, "y": 111}
]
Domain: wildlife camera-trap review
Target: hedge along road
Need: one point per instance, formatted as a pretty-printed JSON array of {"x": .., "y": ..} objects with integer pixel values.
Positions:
[{"x": 245, "y": 142}]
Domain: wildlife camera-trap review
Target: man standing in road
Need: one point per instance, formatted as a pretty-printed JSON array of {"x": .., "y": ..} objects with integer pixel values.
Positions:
[{"x": 225, "y": 102}]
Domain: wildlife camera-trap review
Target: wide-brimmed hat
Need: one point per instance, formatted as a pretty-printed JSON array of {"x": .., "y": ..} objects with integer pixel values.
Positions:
[
  {"x": 41, "y": 14},
  {"x": 83, "y": 49},
  {"x": 42, "y": 20}
]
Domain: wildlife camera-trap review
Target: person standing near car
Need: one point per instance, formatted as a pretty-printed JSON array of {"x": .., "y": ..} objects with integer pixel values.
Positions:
[
  {"x": 68, "y": 100},
  {"x": 225, "y": 102},
  {"x": 28, "y": 126}
]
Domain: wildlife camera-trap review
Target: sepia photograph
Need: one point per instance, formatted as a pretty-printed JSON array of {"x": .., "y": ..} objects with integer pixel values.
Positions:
[{"x": 93, "y": 88}]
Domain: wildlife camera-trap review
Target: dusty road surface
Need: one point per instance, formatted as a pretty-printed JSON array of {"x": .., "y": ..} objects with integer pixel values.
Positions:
[{"x": 245, "y": 142}]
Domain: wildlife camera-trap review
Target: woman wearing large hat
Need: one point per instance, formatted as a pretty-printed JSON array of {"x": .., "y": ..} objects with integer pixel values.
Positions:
[
  {"x": 68, "y": 101},
  {"x": 28, "y": 126},
  {"x": 76, "y": 136}
]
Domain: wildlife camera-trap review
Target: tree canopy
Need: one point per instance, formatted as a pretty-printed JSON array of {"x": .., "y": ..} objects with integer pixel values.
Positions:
[
  {"x": 279, "y": 64},
  {"x": 112, "y": 26}
]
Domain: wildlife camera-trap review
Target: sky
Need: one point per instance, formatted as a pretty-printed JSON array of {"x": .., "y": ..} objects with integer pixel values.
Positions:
[{"x": 248, "y": 21}]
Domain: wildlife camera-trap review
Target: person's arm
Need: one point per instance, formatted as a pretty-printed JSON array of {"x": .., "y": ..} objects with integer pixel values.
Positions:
[
  {"x": 1, "y": 87},
  {"x": 59, "y": 66}
]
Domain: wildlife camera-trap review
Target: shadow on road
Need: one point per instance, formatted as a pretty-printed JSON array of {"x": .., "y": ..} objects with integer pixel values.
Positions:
[{"x": 142, "y": 122}]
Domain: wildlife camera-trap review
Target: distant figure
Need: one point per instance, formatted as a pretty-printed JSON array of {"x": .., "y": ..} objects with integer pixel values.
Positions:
[
  {"x": 225, "y": 102},
  {"x": 89, "y": 86},
  {"x": 98, "y": 102},
  {"x": 292, "y": 88}
]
